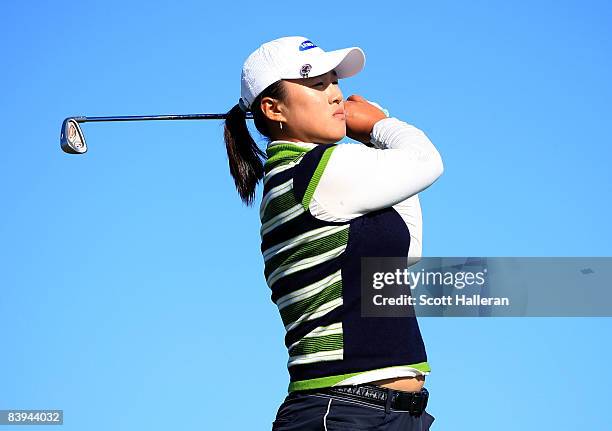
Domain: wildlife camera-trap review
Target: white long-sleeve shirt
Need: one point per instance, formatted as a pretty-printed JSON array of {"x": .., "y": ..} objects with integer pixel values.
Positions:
[{"x": 359, "y": 179}]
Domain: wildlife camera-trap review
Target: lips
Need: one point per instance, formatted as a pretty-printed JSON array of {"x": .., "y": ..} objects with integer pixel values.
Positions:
[{"x": 339, "y": 113}]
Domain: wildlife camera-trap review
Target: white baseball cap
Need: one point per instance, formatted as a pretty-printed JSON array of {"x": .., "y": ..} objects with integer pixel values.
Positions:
[{"x": 293, "y": 57}]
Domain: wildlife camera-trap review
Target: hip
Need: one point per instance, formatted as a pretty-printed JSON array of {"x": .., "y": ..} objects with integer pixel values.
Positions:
[{"x": 319, "y": 410}]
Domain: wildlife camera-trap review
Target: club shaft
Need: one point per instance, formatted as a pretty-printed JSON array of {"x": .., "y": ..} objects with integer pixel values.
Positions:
[{"x": 249, "y": 115}]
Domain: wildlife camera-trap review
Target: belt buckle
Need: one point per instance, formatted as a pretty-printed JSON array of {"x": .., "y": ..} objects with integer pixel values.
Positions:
[{"x": 417, "y": 402}]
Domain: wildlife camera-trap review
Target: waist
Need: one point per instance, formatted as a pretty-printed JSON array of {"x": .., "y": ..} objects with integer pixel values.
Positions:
[
  {"x": 414, "y": 402},
  {"x": 407, "y": 384}
]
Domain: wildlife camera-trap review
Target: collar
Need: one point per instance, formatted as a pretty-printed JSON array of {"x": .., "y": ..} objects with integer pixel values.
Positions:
[
  {"x": 305, "y": 145},
  {"x": 276, "y": 149}
]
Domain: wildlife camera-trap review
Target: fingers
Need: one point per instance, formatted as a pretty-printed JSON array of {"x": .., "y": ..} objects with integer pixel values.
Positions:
[
  {"x": 375, "y": 104},
  {"x": 386, "y": 112},
  {"x": 356, "y": 98}
]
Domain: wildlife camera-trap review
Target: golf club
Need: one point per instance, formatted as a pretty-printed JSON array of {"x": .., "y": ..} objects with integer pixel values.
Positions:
[{"x": 72, "y": 139}]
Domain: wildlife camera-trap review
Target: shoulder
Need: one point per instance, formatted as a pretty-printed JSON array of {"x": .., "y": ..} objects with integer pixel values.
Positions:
[{"x": 346, "y": 149}]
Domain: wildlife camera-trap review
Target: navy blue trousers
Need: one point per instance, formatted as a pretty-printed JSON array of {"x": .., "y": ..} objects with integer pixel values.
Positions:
[{"x": 315, "y": 411}]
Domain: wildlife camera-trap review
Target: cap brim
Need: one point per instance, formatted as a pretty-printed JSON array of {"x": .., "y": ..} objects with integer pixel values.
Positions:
[{"x": 346, "y": 62}]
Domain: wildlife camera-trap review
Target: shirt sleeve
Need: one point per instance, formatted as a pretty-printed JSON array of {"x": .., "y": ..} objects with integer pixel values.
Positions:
[
  {"x": 410, "y": 211},
  {"x": 359, "y": 179}
]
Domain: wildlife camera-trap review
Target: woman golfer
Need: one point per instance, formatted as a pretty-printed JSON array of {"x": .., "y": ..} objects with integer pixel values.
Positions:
[{"x": 325, "y": 205}]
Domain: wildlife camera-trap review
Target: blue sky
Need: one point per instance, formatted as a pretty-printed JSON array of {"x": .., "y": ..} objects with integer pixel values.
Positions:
[{"x": 131, "y": 285}]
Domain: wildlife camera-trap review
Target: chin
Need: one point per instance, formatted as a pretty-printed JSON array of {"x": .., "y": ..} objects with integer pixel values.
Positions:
[
  {"x": 332, "y": 136},
  {"x": 331, "y": 139},
  {"x": 338, "y": 135}
]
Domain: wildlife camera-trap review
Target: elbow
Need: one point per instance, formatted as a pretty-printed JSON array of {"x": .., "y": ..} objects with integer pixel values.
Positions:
[
  {"x": 437, "y": 166},
  {"x": 434, "y": 159},
  {"x": 440, "y": 166}
]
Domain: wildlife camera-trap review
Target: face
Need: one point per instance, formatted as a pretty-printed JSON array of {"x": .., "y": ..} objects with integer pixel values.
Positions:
[{"x": 312, "y": 112}]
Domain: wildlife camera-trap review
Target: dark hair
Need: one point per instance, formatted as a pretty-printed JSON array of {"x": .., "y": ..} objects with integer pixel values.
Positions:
[{"x": 244, "y": 156}]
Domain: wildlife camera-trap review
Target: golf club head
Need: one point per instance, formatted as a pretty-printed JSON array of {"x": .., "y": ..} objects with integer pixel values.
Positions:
[{"x": 72, "y": 139}]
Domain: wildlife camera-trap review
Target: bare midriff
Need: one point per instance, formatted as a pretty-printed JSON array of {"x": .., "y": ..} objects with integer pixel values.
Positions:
[{"x": 408, "y": 384}]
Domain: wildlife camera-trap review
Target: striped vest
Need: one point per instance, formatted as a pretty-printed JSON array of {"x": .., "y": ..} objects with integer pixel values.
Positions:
[{"x": 312, "y": 267}]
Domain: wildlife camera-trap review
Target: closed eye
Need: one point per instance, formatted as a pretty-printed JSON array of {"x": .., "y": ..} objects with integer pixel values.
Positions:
[{"x": 322, "y": 83}]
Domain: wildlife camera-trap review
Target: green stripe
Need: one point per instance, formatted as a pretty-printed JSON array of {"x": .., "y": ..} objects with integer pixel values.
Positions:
[
  {"x": 309, "y": 249},
  {"x": 324, "y": 382},
  {"x": 281, "y": 159},
  {"x": 273, "y": 150},
  {"x": 280, "y": 154},
  {"x": 279, "y": 204},
  {"x": 310, "y": 345},
  {"x": 291, "y": 313},
  {"x": 312, "y": 185}
]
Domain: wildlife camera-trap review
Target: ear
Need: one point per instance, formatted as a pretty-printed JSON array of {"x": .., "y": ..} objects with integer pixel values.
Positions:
[{"x": 273, "y": 109}]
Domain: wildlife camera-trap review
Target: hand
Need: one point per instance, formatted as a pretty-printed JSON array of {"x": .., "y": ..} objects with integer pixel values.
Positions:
[{"x": 360, "y": 118}]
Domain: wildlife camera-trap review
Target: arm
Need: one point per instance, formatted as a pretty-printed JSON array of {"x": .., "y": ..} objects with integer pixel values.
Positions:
[
  {"x": 410, "y": 211},
  {"x": 360, "y": 179}
]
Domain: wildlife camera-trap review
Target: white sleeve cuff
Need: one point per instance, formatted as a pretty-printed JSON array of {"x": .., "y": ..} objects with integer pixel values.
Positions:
[{"x": 391, "y": 132}]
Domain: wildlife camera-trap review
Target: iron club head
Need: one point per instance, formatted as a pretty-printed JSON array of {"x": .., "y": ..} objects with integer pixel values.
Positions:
[{"x": 72, "y": 139}]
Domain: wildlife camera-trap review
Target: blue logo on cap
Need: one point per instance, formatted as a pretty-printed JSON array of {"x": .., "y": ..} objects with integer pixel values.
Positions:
[{"x": 307, "y": 45}]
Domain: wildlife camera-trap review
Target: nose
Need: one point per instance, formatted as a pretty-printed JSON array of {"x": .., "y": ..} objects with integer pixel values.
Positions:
[{"x": 336, "y": 94}]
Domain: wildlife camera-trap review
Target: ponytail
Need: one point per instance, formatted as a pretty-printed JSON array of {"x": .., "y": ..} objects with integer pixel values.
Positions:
[{"x": 244, "y": 156}]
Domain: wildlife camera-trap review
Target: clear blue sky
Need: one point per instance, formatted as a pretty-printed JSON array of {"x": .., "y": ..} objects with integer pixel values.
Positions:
[{"x": 131, "y": 282}]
